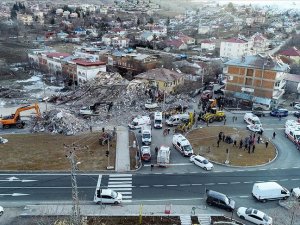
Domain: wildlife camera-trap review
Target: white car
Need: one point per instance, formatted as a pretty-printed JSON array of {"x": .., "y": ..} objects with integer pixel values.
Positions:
[
  {"x": 255, "y": 216},
  {"x": 1, "y": 210},
  {"x": 297, "y": 106},
  {"x": 107, "y": 196},
  {"x": 202, "y": 162},
  {"x": 296, "y": 192},
  {"x": 255, "y": 128}
]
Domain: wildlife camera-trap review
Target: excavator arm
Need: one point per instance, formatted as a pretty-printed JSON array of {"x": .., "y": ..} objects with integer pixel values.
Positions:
[{"x": 14, "y": 119}]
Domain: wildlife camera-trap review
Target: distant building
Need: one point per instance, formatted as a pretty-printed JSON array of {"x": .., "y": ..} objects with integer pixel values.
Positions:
[
  {"x": 234, "y": 48},
  {"x": 208, "y": 45},
  {"x": 291, "y": 53},
  {"x": 258, "y": 44},
  {"x": 26, "y": 19},
  {"x": 256, "y": 78}
]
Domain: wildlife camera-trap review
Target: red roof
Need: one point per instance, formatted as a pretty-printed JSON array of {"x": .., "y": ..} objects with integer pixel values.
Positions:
[
  {"x": 235, "y": 40},
  {"x": 207, "y": 41},
  {"x": 84, "y": 62},
  {"x": 57, "y": 55},
  {"x": 174, "y": 42},
  {"x": 291, "y": 52}
]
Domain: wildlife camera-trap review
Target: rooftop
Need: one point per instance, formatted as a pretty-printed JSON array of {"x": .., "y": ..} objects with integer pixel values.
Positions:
[
  {"x": 236, "y": 40},
  {"x": 291, "y": 52},
  {"x": 84, "y": 62}
]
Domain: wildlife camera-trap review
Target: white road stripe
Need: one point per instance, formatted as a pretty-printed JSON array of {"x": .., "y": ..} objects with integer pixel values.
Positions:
[
  {"x": 196, "y": 184},
  {"x": 144, "y": 186},
  {"x": 125, "y": 197},
  {"x": 273, "y": 180},
  {"x": 185, "y": 185},
  {"x": 274, "y": 168},
  {"x": 210, "y": 184},
  {"x": 296, "y": 179},
  {"x": 235, "y": 182},
  {"x": 172, "y": 185},
  {"x": 244, "y": 196},
  {"x": 296, "y": 167},
  {"x": 120, "y": 182},
  {"x": 122, "y": 189},
  {"x": 126, "y": 200},
  {"x": 222, "y": 183},
  {"x": 120, "y": 185},
  {"x": 158, "y": 185},
  {"x": 248, "y": 182},
  {"x": 99, "y": 181},
  {"x": 120, "y": 179},
  {"x": 125, "y": 193},
  {"x": 120, "y": 175}
]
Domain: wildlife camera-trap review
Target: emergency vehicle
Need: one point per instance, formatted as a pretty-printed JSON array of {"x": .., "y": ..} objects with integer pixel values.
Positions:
[
  {"x": 292, "y": 132},
  {"x": 182, "y": 144}
]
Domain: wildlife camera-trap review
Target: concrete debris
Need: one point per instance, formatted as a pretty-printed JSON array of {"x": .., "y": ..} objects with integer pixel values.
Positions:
[
  {"x": 3, "y": 140},
  {"x": 128, "y": 101},
  {"x": 62, "y": 122}
]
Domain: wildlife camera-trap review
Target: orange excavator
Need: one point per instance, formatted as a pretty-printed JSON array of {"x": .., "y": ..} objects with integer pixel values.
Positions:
[{"x": 15, "y": 119}]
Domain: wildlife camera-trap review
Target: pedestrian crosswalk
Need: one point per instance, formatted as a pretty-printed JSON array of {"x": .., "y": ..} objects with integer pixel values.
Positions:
[{"x": 121, "y": 183}]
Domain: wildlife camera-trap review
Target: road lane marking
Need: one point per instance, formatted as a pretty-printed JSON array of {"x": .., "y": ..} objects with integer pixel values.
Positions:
[
  {"x": 144, "y": 186},
  {"x": 119, "y": 185},
  {"x": 99, "y": 181},
  {"x": 158, "y": 185},
  {"x": 120, "y": 175},
  {"x": 184, "y": 185},
  {"x": 272, "y": 180},
  {"x": 274, "y": 168},
  {"x": 235, "y": 182},
  {"x": 120, "y": 178},
  {"x": 210, "y": 184},
  {"x": 222, "y": 183},
  {"x": 296, "y": 167},
  {"x": 126, "y": 197},
  {"x": 244, "y": 196},
  {"x": 296, "y": 179},
  {"x": 172, "y": 185},
  {"x": 248, "y": 182},
  {"x": 196, "y": 184},
  {"x": 126, "y": 200},
  {"x": 119, "y": 182},
  {"x": 122, "y": 189}
]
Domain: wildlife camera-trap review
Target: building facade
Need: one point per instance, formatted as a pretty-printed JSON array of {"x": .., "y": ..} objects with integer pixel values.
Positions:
[
  {"x": 234, "y": 48},
  {"x": 256, "y": 78}
]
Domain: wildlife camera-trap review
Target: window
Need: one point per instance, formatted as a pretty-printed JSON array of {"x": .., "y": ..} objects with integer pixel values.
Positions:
[
  {"x": 249, "y": 73},
  {"x": 277, "y": 83},
  {"x": 248, "y": 81}
]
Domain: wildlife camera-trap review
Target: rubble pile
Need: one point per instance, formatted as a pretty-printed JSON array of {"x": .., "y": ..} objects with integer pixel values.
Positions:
[
  {"x": 62, "y": 122},
  {"x": 128, "y": 100}
]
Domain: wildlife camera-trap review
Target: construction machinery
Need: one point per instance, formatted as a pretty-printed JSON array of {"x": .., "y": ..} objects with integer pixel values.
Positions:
[
  {"x": 213, "y": 115},
  {"x": 15, "y": 119}
]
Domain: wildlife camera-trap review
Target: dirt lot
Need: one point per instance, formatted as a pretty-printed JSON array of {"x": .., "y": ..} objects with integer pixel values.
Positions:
[
  {"x": 204, "y": 141},
  {"x": 46, "y": 152},
  {"x": 115, "y": 220}
]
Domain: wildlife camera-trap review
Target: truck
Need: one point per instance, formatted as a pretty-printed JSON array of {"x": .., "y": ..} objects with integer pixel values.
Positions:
[
  {"x": 182, "y": 145},
  {"x": 157, "y": 120},
  {"x": 213, "y": 115},
  {"x": 269, "y": 191},
  {"x": 15, "y": 119},
  {"x": 139, "y": 121},
  {"x": 146, "y": 134},
  {"x": 163, "y": 156},
  {"x": 93, "y": 109},
  {"x": 292, "y": 132},
  {"x": 177, "y": 119}
]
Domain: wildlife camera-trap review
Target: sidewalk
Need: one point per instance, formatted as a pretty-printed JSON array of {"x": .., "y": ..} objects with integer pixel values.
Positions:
[
  {"x": 122, "y": 150},
  {"x": 117, "y": 210}
]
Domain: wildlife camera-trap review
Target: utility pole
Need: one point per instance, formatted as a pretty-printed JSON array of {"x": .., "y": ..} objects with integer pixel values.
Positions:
[{"x": 71, "y": 155}]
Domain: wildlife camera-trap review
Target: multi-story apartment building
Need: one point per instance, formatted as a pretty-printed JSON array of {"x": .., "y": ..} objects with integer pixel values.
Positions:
[
  {"x": 234, "y": 48},
  {"x": 256, "y": 78}
]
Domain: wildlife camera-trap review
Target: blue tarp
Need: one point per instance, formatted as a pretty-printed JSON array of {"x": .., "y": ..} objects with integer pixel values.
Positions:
[{"x": 244, "y": 96}]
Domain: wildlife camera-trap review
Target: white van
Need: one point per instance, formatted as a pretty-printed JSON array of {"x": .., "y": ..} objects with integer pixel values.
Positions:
[
  {"x": 139, "y": 121},
  {"x": 269, "y": 191},
  {"x": 177, "y": 119},
  {"x": 251, "y": 119},
  {"x": 146, "y": 134},
  {"x": 158, "y": 120},
  {"x": 182, "y": 144}
]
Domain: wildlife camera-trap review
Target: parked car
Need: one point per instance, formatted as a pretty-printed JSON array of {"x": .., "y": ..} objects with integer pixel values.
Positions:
[
  {"x": 279, "y": 112},
  {"x": 258, "y": 113},
  {"x": 220, "y": 91},
  {"x": 146, "y": 153},
  {"x": 214, "y": 198},
  {"x": 296, "y": 192},
  {"x": 202, "y": 162},
  {"x": 1, "y": 210},
  {"x": 255, "y": 216},
  {"x": 107, "y": 196},
  {"x": 297, "y": 106},
  {"x": 297, "y": 114}
]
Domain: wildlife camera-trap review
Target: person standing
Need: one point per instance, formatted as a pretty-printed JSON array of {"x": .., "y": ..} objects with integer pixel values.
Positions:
[
  {"x": 218, "y": 143},
  {"x": 253, "y": 148},
  {"x": 156, "y": 150},
  {"x": 267, "y": 143},
  {"x": 274, "y": 135},
  {"x": 234, "y": 143},
  {"x": 258, "y": 139},
  {"x": 241, "y": 144}
]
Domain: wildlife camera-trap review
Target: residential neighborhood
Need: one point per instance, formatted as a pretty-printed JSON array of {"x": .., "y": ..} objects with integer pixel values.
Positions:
[{"x": 132, "y": 99}]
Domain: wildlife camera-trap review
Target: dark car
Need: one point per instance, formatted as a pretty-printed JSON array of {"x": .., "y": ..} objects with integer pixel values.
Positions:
[
  {"x": 214, "y": 198},
  {"x": 294, "y": 103},
  {"x": 220, "y": 91},
  {"x": 279, "y": 112},
  {"x": 297, "y": 114},
  {"x": 258, "y": 113}
]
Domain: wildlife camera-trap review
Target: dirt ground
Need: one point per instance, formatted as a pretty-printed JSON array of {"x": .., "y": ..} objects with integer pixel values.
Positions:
[
  {"x": 204, "y": 142},
  {"x": 47, "y": 152},
  {"x": 115, "y": 220}
]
